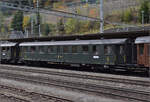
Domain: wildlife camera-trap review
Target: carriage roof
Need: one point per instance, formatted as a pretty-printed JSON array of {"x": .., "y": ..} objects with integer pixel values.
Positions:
[
  {"x": 76, "y": 42},
  {"x": 140, "y": 40}
]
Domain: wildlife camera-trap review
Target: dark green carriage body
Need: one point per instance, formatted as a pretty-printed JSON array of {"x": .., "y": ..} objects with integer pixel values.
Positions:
[{"x": 88, "y": 52}]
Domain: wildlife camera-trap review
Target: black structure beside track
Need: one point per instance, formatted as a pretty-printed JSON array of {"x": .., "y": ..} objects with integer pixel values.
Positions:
[{"x": 132, "y": 34}]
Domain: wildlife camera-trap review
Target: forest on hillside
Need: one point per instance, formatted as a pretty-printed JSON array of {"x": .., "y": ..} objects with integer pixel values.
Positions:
[{"x": 127, "y": 12}]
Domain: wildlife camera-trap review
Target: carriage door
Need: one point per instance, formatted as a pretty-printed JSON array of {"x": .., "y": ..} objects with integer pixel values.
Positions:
[
  {"x": 120, "y": 56},
  {"x": 147, "y": 54},
  {"x": 141, "y": 55},
  {"x": 14, "y": 52},
  {"x": 59, "y": 53}
]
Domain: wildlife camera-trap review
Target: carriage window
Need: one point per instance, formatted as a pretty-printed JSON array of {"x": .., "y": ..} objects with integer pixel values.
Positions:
[
  {"x": 141, "y": 47},
  {"x": 107, "y": 49},
  {"x": 7, "y": 48},
  {"x": 58, "y": 49},
  {"x": 25, "y": 49},
  {"x": 42, "y": 50},
  {"x": 3, "y": 49},
  {"x": 33, "y": 49},
  {"x": 74, "y": 49},
  {"x": 85, "y": 49},
  {"x": 22, "y": 49},
  {"x": 121, "y": 50},
  {"x": 65, "y": 49},
  {"x": 50, "y": 49},
  {"x": 95, "y": 50}
]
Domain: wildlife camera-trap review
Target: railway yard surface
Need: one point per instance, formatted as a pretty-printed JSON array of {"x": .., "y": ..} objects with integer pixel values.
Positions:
[{"x": 32, "y": 84}]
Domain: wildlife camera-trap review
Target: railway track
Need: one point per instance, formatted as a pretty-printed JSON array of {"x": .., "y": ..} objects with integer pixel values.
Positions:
[
  {"x": 82, "y": 76},
  {"x": 121, "y": 93},
  {"x": 20, "y": 95},
  {"x": 11, "y": 98}
]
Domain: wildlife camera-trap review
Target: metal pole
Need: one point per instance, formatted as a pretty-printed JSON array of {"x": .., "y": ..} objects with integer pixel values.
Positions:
[
  {"x": 149, "y": 17},
  {"x": 0, "y": 52},
  {"x": 101, "y": 17},
  {"x": 38, "y": 18},
  {"x": 143, "y": 18},
  {"x": 32, "y": 24},
  {"x": 0, "y": 47}
]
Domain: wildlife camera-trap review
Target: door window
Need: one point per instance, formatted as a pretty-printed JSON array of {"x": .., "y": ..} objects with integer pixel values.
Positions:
[
  {"x": 141, "y": 49},
  {"x": 95, "y": 50},
  {"x": 121, "y": 49},
  {"x": 107, "y": 49}
]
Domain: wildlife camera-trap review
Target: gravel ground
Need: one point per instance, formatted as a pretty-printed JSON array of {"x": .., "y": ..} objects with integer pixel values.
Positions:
[
  {"x": 5, "y": 99},
  {"x": 85, "y": 81},
  {"x": 75, "y": 96}
]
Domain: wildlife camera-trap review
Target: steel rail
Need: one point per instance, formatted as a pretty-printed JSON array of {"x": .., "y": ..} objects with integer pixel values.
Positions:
[
  {"x": 91, "y": 88},
  {"x": 16, "y": 99},
  {"x": 30, "y": 94},
  {"x": 75, "y": 75}
]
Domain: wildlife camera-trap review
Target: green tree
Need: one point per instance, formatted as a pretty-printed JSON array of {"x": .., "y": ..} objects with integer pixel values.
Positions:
[
  {"x": 46, "y": 29},
  {"x": 127, "y": 16},
  {"x": 1, "y": 19},
  {"x": 145, "y": 9},
  {"x": 17, "y": 22},
  {"x": 61, "y": 27},
  {"x": 72, "y": 26}
]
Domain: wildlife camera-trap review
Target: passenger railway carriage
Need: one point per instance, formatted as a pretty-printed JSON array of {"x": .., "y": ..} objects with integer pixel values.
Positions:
[
  {"x": 9, "y": 52},
  {"x": 83, "y": 52},
  {"x": 143, "y": 51},
  {"x": 127, "y": 54}
]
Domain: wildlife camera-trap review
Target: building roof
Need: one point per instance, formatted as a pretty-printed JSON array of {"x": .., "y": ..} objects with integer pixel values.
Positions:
[{"x": 97, "y": 36}]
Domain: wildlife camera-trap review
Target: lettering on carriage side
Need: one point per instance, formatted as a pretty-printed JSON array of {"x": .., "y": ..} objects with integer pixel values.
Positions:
[{"x": 96, "y": 57}]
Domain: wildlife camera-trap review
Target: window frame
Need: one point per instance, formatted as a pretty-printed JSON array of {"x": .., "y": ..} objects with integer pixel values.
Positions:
[
  {"x": 33, "y": 49},
  {"x": 95, "y": 50},
  {"x": 148, "y": 50},
  {"x": 74, "y": 49},
  {"x": 83, "y": 50},
  {"x": 50, "y": 49},
  {"x": 65, "y": 49},
  {"x": 121, "y": 49},
  {"x": 43, "y": 49},
  {"x": 141, "y": 49},
  {"x": 58, "y": 49},
  {"x": 107, "y": 49}
]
